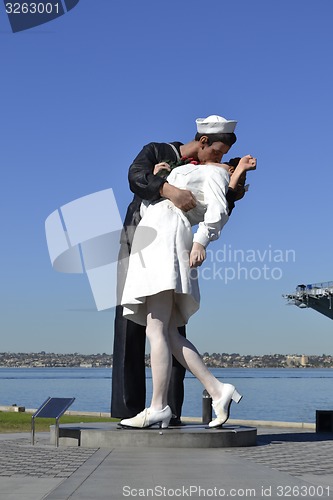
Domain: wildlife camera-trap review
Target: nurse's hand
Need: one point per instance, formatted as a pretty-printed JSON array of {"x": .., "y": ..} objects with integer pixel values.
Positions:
[
  {"x": 161, "y": 166},
  {"x": 246, "y": 163},
  {"x": 197, "y": 255}
]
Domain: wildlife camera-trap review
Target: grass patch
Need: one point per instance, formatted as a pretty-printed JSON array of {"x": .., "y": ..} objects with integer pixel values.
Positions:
[{"x": 21, "y": 421}]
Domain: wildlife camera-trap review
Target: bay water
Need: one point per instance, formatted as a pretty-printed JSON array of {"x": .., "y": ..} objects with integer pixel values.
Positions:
[{"x": 291, "y": 395}]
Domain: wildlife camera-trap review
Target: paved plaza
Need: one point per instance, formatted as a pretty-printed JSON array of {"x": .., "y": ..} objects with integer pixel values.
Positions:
[{"x": 286, "y": 463}]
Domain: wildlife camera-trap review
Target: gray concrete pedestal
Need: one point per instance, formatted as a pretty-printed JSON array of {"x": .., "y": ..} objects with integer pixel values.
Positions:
[{"x": 111, "y": 435}]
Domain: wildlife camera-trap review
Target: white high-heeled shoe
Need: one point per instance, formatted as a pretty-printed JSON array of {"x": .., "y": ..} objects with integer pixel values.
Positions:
[
  {"x": 149, "y": 417},
  {"x": 222, "y": 406}
]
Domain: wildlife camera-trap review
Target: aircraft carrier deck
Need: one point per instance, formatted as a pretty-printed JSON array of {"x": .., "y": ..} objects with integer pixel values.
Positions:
[{"x": 317, "y": 296}]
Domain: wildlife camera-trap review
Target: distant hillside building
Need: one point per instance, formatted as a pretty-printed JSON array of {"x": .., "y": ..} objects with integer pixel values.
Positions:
[
  {"x": 293, "y": 360},
  {"x": 304, "y": 360}
]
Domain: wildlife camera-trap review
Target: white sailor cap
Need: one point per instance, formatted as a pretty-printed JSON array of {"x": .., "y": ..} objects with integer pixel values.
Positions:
[{"x": 215, "y": 124}]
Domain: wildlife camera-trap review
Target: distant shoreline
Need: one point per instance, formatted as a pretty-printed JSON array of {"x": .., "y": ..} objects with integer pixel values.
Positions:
[{"x": 215, "y": 360}]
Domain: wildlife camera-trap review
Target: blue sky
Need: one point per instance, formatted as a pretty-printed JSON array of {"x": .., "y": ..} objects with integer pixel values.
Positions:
[{"x": 82, "y": 94}]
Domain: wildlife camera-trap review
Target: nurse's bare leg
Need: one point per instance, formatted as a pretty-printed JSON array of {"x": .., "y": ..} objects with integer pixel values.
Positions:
[
  {"x": 222, "y": 394},
  {"x": 159, "y": 308},
  {"x": 187, "y": 355}
]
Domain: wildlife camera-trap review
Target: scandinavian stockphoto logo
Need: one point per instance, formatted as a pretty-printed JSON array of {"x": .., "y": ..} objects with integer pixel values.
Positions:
[
  {"x": 85, "y": 235},
  {"x": 228, "y": 264},
  {"x": 27, "y": 14}
]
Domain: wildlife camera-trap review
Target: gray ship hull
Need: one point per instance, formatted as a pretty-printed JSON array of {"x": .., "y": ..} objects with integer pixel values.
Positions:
[{"x": 318, "y": 296}]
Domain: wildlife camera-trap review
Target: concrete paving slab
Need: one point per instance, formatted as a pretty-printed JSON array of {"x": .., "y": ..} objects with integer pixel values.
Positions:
[
  {"x": 173, "y": 472},
  {"x": 26, "y": 488},
  {"x": 286, "y": 463},
  {"x": 80, "y": 477}
]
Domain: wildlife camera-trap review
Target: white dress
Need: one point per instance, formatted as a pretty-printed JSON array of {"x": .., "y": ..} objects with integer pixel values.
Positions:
[{"x": 163, "y": 240}]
